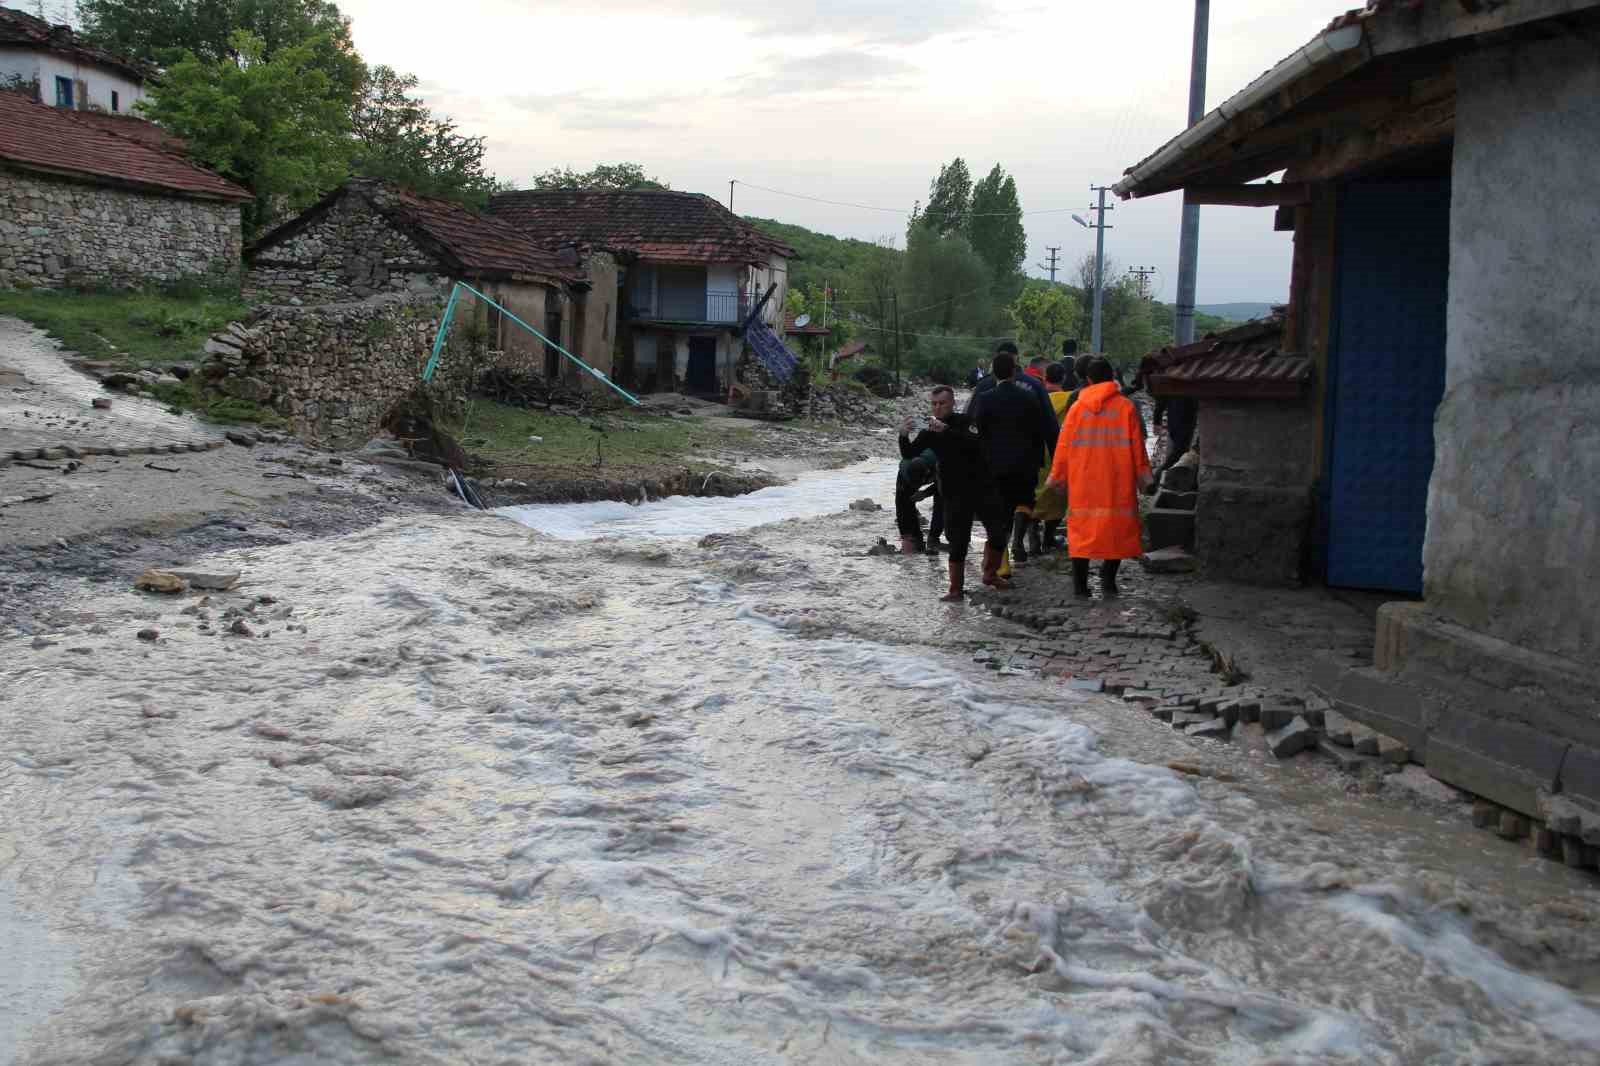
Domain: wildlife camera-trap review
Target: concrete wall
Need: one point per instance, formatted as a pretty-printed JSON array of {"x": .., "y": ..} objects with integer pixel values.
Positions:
[
  {"x": 56, "y": 233},
  {"x": 1253, "y": 513},
  {"x": 1513, "y": 540}
]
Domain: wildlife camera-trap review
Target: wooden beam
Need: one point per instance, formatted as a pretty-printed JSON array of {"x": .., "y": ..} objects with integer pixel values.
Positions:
[
  {"x": 1428, "y": 125},
  {"x": 1403, "y": 29},
  {"x": 1269, "y": 194}
]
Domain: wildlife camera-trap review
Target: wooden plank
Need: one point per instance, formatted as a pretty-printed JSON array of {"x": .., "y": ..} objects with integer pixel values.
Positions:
[
  {"x": 1431, "y": 124},
  {"x": 1404, "y": 30},
  {"x": 1269, "y": 194}
]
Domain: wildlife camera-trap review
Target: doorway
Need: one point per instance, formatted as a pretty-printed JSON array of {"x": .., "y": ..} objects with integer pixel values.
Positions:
[{"x": 701, "y": 376}]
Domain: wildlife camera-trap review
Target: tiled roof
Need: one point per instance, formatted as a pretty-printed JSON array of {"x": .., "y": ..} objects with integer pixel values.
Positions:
[
  {"x": 21, "y": 30},
  {"x": 467, "y": 242},
  {"x": 137, "y": 128},
  {"x": 1243, "y": 362},
  {"x": 65, "y": 142},
  {"x": 667, "y": 227}
]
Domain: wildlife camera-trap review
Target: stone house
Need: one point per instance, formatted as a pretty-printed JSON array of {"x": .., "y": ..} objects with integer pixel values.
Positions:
[
  {"x": 83, "y": 204},
  {"x": 690, "y": 273},
  {"x": 1434, "y": 155},
  {"x": 63, "y": 71},
  {"x": 367, "y": 237}
]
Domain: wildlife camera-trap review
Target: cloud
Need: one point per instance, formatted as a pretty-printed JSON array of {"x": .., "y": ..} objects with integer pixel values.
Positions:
[
  {"x": 878, "y": 22},
  {"x": 582, "y": 111},
  {"x": 825, "y": 72}
]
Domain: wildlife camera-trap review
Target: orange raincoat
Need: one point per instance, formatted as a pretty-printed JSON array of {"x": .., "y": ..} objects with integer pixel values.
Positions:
[{"x": 1100, "y": 455}]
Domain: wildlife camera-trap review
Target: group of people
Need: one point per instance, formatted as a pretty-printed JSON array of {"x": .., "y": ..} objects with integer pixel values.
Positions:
[{"x": 1031, "y": 438}]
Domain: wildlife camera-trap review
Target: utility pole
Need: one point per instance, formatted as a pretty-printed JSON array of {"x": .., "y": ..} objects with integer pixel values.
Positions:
[
  {"x": 1189, "y": 237},
  {"x": 1054, "y": 251},
  {"x": 1143, "y": 274},
  {"x": 730, "y": 197},
  {"x": 1099, "y": 227},
  {"x": 897, "y": 343}
]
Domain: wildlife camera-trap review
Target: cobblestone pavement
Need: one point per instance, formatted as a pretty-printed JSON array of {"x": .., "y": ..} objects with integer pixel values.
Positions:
[{"x": 47, "y": 412}]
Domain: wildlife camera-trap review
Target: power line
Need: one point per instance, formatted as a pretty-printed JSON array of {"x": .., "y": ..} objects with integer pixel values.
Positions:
[{"x": 889, "y": 210}]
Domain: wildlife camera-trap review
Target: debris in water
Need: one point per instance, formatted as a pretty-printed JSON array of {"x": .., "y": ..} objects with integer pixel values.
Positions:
[
  {"x": 881, "y": 548},
  {"x": 865, "y": 504},
  {"x": 199, "y": 579},
  {"x": 160, "y": 581},
  {"x": 149, "y": 634}
]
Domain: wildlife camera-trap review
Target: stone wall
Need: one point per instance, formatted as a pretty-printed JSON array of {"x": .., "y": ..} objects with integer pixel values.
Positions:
[
  {"x": 350, "y": 253},
  {"x": 1513, "y": 536},
  {"x": 1253, "y": 513},
  {"x": 56, "y": 233}
]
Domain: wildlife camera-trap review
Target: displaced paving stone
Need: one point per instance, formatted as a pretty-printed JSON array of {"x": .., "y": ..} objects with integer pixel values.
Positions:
[
  {"x": 214, "y": 582},
  {"x": 1366, "y": 741},
  {"x": 1484, "y": 814},
  {"x": 1573, "y": 853},
  {"x": 1140, "y": 695},
  {"x": 1086, "y": 684},
  {"x": 1337, "y": 728},
  {"x": 1183, "y": 719},
  {"x": 1278, "y": 716},
  {"x": 1165, "y": 712},
  {"x": 1245, "y": 709},
  {"x": 1291, "y": 739},
  {"x": 149, "y": 634},
  {"x": 243, "y": 440},
  {"x": 1171, "y": 560},
  {"x": 1393, "y": 751},
  {"x": 1214, "y": 728},
  {"x": 1345, "y": 759},
  {"x": 1512, "y": 826},
  {"x": 160, "y": 581}
]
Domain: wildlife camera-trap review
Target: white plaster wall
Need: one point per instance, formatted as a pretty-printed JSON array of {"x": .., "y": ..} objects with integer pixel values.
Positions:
[
  {"x": 721, "y": 278},
  {"x": 101, "y": 82},
  {"x": 1513, "y": 540},
  {"x": 19, "y": 62},
  {"x": 776, "y": 270}
]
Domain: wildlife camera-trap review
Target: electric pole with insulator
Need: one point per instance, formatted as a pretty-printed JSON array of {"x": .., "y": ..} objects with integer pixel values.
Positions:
[
  {"x": 1055, "y": 256},
  {"x": 1189, "y": 236}
]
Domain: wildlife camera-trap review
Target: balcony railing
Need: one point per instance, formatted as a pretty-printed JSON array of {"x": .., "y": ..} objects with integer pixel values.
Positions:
[
  {"x": 724, "y": 306},
  {"x": 721, "y": 306}
]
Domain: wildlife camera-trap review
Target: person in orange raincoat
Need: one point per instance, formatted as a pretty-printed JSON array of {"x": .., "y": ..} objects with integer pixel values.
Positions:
[{"x": 1100, "y": 458}]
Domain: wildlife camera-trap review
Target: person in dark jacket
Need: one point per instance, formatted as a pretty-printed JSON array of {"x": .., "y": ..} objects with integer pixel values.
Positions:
[
  {"x": 963, "y": 480},
  {"x": 917, "y": 470},
  {"x": 1049, "y": 427},
  {"x": 1015, "y": 443}
]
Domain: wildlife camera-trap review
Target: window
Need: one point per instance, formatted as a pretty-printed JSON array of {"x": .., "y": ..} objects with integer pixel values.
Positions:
[
  {"x": 63, "y": 92},
  {"x": 116, "y": 101}
]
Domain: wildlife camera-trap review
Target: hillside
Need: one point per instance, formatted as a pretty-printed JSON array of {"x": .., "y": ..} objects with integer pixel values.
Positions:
[
  {"x": 1234, "y": 312},
  {"x": 822, "y": 257}
]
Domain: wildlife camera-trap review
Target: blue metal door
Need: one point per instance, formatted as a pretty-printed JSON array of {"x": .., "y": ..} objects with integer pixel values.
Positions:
[{"x": 1386, "y": 378}]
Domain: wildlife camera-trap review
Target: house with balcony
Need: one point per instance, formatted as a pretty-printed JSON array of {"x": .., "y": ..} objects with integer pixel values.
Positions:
[
  {"x": 64, "y": 71},
  {"x": 690, "y": 272}
]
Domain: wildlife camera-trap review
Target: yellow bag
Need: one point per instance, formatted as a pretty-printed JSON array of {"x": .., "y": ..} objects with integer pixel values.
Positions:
[{"x": 1050, "y": 505}]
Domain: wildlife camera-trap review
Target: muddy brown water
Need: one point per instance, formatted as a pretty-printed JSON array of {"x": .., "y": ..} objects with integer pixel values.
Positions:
[{"x": 696, "y": 782}]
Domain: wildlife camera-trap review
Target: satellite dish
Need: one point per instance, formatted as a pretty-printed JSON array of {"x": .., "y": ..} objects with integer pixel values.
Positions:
[{"x": 802, "y": 322}]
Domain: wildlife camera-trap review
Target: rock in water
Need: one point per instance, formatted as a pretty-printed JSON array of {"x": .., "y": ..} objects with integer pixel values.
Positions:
[
  {"x": 1292, "y": 739},
  {"x": 160, "y": 581},
  {"x": 214, "y": 582},
  {"x": 149, "y": 634},
  {"x": 865, "y": 504}
]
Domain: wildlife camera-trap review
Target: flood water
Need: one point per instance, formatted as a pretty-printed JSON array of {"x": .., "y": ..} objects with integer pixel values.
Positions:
[{"x": 697, "y": 782}]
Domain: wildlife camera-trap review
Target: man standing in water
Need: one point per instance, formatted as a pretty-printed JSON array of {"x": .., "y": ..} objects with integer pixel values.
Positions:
[
  {"x": 962, "y": 482},
  {"x": 1015, "y": 433},
  {"x": 1101, "y": 460}
]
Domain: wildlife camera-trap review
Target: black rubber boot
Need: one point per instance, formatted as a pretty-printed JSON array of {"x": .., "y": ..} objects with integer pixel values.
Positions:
[
  {"x": 1108, "y": 579},
  {"x": 1019, "y": 529},
  {"x": 1080, "y": 578},
  {"x": 1035, "y": 541},
  {"x": 1050, "y": 531}
]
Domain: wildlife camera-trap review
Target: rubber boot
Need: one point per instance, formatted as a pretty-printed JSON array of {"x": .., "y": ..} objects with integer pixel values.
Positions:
[
  {"x": 1108, "y": 579},
  {"x": 958, "y": 580},
  {"x": 1080, "y": 578},
  {"x": 910, "y": 546},
  {"x": 1050, "y": 531},
  {"x": 934, "y": 545},
  {"x": 1035, "y": 539},
  {"x": 1019, "y": 529},
  {"x": 993, "y": 556}
]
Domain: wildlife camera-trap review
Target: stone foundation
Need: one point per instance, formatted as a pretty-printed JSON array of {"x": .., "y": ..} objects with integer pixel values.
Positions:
[
  {"x": 56, "y": 233},
  {"x": 1253, "y": 514}
]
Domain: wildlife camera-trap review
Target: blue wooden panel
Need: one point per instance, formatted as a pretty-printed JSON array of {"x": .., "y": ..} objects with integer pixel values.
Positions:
[{"x": 1387, "y": 379}]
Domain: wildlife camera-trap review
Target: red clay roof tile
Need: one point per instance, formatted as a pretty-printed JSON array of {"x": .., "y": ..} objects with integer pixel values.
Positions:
[{"x": 668, "y": 227}]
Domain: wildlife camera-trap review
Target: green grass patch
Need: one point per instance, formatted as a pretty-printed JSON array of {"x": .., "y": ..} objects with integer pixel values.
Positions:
[
  {"x": 137, "y": 330},
  {"x": 213, "y": 406},
  {"x": 499, "y": 434}
]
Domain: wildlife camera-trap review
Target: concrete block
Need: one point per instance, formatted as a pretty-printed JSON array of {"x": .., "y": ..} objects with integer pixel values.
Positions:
[
  {"x": 1247, "y": 708},
  {"x": 1345, "y": 758},
  {"x": 1183, "y": 719},
  {"x": 1086, "y": 684},
  {"x": 1507, "y": 763},
  {"x": 1484, "y": 814},
  {"x": 1291, "y": 739},
  {"x": 1165, "y": 712},
  {"x": 1366, "y": 696},
  {"x": 1573, "y": 851},
  {"x": 1142, "y": 695},
  {"x": 1393, "y": 751},
  {"x": 1365, "y": 740},
  {"x": 1167, "y": 528},
  {"x": 1181, "y": 478},
  {"x": 1512, "y": 826}
]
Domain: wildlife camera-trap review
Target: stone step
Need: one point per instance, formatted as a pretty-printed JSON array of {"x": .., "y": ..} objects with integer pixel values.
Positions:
[{"x": 1167, "y": 527}]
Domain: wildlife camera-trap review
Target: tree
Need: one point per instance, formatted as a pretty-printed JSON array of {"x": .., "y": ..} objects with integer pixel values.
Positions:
[
  {"x": 398, "y": 139},
  {"x": 274, "y": 124},
  {"x": 874, "y": 282},
  {"x": 617, "y": 177},
  {"x": 949, "y": 201},
  {"x": 1044, "y": 316},
  {"x": 161, "y": 31},
  {"x": 946, "y": 283},
  {"x": 994, "y": 226}
]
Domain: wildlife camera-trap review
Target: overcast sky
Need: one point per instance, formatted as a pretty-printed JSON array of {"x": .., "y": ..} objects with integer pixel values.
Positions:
[{"x": 861, "y": 101}]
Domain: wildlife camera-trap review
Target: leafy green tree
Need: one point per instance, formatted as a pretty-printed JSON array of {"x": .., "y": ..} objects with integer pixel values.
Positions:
[
  {"x": 274, "y": 124},
  {"x": 617, "y": 177},
  {"x": 949, "y": 202},
  {"x": 994, "y": 226},
  {"x": 161, "y": 31},
  {"x": 398, "y": 139},
  {"x": 1127, "y": 325},
  {"x": 945, "y": 283},
  {"x": 1044, "y": 316}
]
